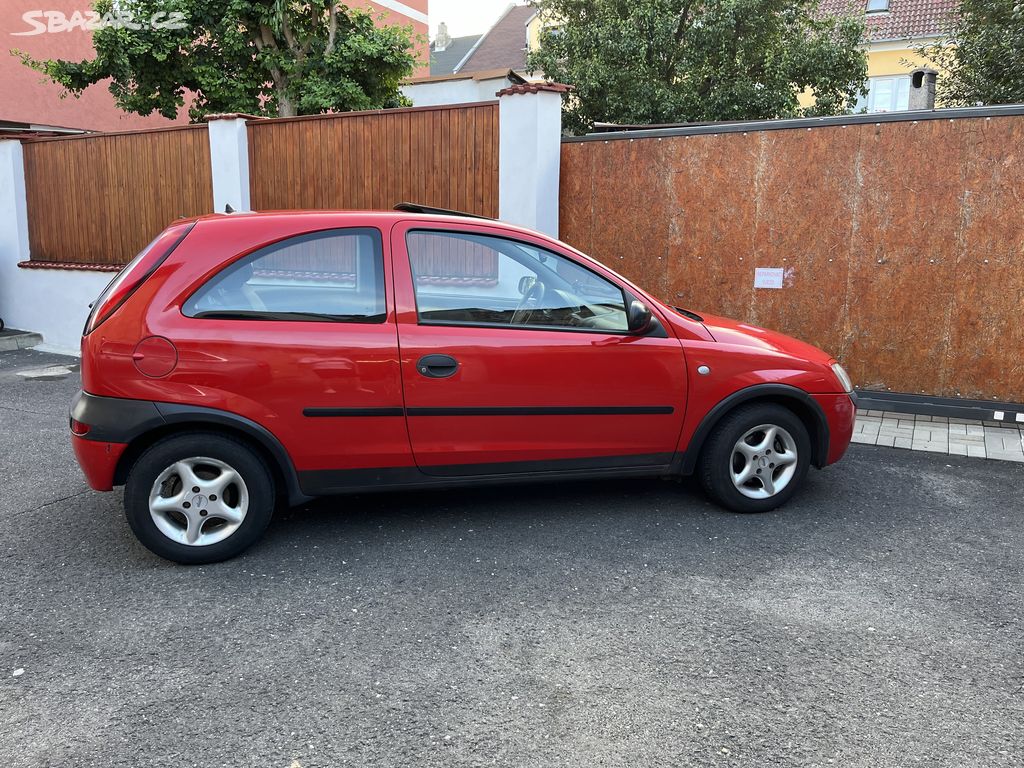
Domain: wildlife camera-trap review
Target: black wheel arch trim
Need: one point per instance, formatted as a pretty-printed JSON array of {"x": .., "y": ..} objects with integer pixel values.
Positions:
[
  {"x": 121, "y": 420},
  {"x": 778, "y": 393}
]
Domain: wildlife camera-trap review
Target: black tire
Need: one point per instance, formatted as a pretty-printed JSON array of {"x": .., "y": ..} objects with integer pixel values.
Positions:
[
  {"x": 258, "y": 482},
  {"x": 716, "y": 461}
]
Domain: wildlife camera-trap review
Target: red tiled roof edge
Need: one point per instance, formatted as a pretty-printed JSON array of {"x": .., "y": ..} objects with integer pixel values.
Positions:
[
  {"x": 535, "y": 88},
  {"x": 232, "y": 116}
]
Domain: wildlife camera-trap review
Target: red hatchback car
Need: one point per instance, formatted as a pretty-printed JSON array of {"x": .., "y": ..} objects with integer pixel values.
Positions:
[{"x": 248, "y": 360}]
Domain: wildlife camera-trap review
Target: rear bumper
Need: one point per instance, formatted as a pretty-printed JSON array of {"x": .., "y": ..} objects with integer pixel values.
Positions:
[
  {"x": 98, "y": 461},
  {"x": 841, "y": 413}
]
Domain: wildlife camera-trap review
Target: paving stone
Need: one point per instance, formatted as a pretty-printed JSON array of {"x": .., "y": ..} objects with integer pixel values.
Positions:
[
  {"x": 967, "y": 439},
  {"x": 1007, "y": 455},
  {"x": 868, "y": 439},
  {"x": 885, "y": 440},
  {"x": 957, "y": 450},
  {"x": 977, "y": 451},
  {"x": 903, "y": 442}
]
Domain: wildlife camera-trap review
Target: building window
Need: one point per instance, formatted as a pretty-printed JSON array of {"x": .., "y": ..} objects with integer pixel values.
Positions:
[
  {"x": 878, "y": 6},
  {"x": 885, "y": 94}
]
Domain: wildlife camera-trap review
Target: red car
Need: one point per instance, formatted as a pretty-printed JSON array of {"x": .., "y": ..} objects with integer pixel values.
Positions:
[{"x": 250, "y": 360}]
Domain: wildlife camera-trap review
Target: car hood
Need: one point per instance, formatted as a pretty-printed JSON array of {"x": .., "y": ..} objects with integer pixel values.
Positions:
[{"x": 727, "y": 331}]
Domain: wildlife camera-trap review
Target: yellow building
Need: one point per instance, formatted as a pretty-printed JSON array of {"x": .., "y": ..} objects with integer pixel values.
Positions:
[{"x": 895, "y": 29}]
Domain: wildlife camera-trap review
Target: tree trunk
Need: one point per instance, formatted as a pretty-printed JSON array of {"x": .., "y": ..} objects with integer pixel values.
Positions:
[{"x": 285, "y": 108}]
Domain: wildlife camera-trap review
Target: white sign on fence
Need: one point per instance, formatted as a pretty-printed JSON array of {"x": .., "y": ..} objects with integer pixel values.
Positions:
[{"x": 768, "y": 277}]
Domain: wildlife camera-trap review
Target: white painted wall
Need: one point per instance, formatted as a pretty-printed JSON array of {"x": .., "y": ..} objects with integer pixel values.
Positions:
[
  {"x": 54, "y": 303},
  {"x": 454, "y": 91},
  {"x": 529, "y": 157},
  {"x": 229, "y": 164}
]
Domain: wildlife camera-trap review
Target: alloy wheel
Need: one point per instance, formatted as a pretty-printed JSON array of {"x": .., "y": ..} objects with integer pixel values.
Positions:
[
  {"x": 198, "y": 501},
  {"x": 763, "y": 461}
]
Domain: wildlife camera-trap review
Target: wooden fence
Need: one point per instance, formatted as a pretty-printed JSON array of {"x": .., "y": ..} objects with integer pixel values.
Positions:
[
  {"x": 902, "y": 243},
  {"x": 440, "y": 156},
  {"x": 99, "y": 199}
]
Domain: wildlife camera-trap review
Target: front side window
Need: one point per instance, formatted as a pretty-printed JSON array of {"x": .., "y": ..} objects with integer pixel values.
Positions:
[
  {"x": 331, "y": 276},
  {"x": 468, "y": 279}
]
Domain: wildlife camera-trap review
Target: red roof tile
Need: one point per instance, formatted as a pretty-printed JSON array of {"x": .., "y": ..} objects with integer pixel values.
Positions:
[
  {"x": 534, "y": 88},
  {"x": 905, "y": 18}
]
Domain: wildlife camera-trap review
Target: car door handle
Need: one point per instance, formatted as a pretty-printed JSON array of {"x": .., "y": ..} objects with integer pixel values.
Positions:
[{"x": 437, "y": 366}]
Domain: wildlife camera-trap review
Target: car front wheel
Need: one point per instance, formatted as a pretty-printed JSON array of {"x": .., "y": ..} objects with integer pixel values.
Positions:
[
  {"x": 199, "y": 498},
  {"x": 756, "y": 458}
]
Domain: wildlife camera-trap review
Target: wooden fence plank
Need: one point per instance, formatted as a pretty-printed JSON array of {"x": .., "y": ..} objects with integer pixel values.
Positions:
[
  {"x": 444, "y": 156},
  {"x": 99, "y": 199}
]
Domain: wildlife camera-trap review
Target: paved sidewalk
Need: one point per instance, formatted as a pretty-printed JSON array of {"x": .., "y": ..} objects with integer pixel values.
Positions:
[{"x": 937, "y": 434}]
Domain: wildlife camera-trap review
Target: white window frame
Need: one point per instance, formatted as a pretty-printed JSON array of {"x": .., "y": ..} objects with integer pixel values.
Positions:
[{"x": 898, "y": 101}]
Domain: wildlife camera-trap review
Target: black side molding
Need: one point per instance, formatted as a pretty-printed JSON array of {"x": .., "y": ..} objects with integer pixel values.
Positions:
[
  {"x": 352, "y": 412},
  {"x": 555, "y": 410}
]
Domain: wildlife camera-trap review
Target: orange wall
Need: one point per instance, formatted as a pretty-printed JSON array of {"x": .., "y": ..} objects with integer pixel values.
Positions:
[
  {"x": 26, "y": 97},
  {"x": 901, "y": 242},
  {"x": 390, "y": 16}
]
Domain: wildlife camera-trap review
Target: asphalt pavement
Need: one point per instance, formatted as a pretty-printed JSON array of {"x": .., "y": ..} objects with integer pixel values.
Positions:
[{"x": 876, "y": 620}]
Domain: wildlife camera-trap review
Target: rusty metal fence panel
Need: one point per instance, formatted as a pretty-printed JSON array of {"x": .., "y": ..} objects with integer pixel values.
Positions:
[
  {"x": 444, "y": 156},
  {"x": 99, "y": 199},
  {"x": 902, "y": 243}
]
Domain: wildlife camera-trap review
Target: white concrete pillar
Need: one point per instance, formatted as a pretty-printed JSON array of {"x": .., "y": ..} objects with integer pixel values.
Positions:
[
  {"x": 13, "y": 222},
  {"x": 229, "y": 161},
  {"x": 529, "y": 157}
]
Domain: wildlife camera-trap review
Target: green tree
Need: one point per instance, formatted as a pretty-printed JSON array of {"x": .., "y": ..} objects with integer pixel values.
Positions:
[
  {"x": 263, "y": 57},
  {"x": 665, "y": 61},
  {"x": 981, "y": 57}
]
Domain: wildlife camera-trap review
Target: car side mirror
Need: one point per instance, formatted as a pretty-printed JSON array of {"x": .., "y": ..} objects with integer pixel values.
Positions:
[
  {"x": 638, "y": 318},
  {"x": 526, "y": 283}
]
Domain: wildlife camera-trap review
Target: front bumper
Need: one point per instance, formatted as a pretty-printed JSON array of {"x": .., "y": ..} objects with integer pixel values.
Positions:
[{"x": 841, "y": 413}]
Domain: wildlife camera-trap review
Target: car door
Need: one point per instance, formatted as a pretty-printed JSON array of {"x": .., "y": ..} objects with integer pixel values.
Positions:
[{"x": 516, "y": 358}]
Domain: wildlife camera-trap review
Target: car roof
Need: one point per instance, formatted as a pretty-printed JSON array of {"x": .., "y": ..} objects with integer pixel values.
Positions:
[
  {"x": 377, "y": 218},
  {"x": 382, "y": 216}
]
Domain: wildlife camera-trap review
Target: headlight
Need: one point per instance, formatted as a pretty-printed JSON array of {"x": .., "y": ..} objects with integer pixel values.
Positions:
[{"x": 843, "y": 376}]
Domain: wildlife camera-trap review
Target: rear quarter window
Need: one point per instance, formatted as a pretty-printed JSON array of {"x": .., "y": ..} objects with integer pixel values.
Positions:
[{"x": 330, "y": 276}]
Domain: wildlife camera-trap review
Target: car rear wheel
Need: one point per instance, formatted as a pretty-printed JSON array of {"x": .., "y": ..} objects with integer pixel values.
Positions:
[
  {"x": 199, "y": 498},
  {"x": 756, "y": 458}
]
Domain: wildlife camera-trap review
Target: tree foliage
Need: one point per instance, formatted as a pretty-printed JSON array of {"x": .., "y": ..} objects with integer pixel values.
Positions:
[
  {"x": 981, "y": 57},
  {"x": 666, "y": 61},
  {"x": 263, "y": 57}
]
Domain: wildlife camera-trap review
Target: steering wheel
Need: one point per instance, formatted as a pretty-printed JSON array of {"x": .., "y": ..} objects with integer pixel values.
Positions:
[{"x": 522, "y": 315}]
